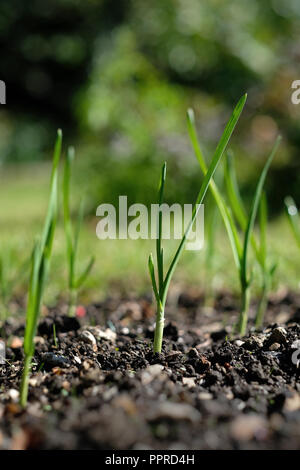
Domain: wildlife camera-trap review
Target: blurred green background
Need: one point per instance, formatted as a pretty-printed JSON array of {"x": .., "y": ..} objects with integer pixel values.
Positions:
[{"x": 117, "y": 77}]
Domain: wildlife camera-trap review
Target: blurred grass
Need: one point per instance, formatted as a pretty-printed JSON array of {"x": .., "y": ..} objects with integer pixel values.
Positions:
[{"x": 121, "y": 265}]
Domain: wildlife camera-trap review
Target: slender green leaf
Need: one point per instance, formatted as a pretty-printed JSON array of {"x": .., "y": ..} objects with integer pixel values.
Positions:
[
  {"x": 41, "y": 256},
  {"x": 235, "y": 200},
  {"x": 224, "y": 210},
  {"x": 253, "y": 212},
  {"x": 263, "y": 216},
  {"x": 152, "y": 276},
  {"x": 273, "y": 268},
  {"x": 85, "y": 273},
  {"x": 78, "y": 226},
  {"x": 233, "y": 192},
  {"x": 52, "y": 206},
  {"x": 159, "y": 256},
  {"x": 31, "y": 301},
  {"x": 72, "y": 236},
  {"x": 67, "y": 215},
  {"x": 208, "y": 176}
]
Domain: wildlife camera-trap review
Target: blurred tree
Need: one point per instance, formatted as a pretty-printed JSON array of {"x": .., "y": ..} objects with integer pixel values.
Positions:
[
  {"x": 121, "y": 75},
  {"x": 47, "y": 48}
]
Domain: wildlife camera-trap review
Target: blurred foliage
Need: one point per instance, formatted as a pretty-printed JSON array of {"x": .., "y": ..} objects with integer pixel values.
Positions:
[
  {"x": 120, "y": 76},
  {"x": 47, "y": 48},
  {"x": 133, "y": 119}
]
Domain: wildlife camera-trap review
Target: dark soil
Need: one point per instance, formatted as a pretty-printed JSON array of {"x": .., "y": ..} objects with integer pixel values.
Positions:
[{"x": 98, "y": 385}]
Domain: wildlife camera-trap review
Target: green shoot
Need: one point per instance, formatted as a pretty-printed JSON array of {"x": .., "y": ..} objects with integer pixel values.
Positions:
[
  {"x": 40, "y": 262},
  {"x": 211, "y": 227},
  {"x": 72, "y": 237},
  {"x": 267, "y": 271},
  {"x": 55, "y": 336},
  {"x": 161, "y": 288},
  {"x": 260, "y": 249},
  {"x": 211, "y": 224},
  {"x": 245, "y": 279},
  {"x": 293, "y": 217},
  {"x": 240, "y": 251},
  {"x": 224, "y": 210}
]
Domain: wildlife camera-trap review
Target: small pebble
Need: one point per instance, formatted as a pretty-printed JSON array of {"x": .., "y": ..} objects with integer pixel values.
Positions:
[
  {"x": 16, "y": 342},
  {"x": 39, "y": 340},
  {"x": 205, "y": 396},
  {"x": 296, "y": 344},
  {"x": 292, "y": 403},
  {"x": 88, "y": 337},
  {"x": 274, "y": 347},
  {"x": 13, "y": 394},
  {"x": 99, "y": 333},
  {"x": 150, "y": 373},
  {"x": 278, "y": 335},
  {"x": 51, "y": 360},
  {"x": 248, "y": 427},
  {"x": 253, "y": 343},
  {"x": 189, "y": 382},
  {"x": 77, "y": 359},
  {"x": 175, "y": 411}
]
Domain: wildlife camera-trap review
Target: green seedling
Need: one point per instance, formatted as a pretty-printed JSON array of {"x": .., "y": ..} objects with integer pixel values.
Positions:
[
  {"x": 260, "y": 248},
  {"x": 161, "y": 283},
  {"x": 293, "y": 217},
  {"x": 40, "y": 263},
  {"x": 240, "y": 250},
  {"x": 55, "y": 336},
  {"x": 72, "y": 237},
  {"x": 245, "y": 275},
  {"x": 267, "y": 270},
  {"x": 212, "y": 222}
]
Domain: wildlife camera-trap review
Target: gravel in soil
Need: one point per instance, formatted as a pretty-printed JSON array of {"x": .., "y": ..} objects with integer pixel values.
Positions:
[{"x": 96, "y": 384}]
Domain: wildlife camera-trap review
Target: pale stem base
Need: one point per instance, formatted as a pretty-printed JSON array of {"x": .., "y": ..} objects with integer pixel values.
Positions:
[
  {"x": 25, "y": 380},
  {"x": 159, "y": 329},
  {"x": 243, "y": 319}
]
